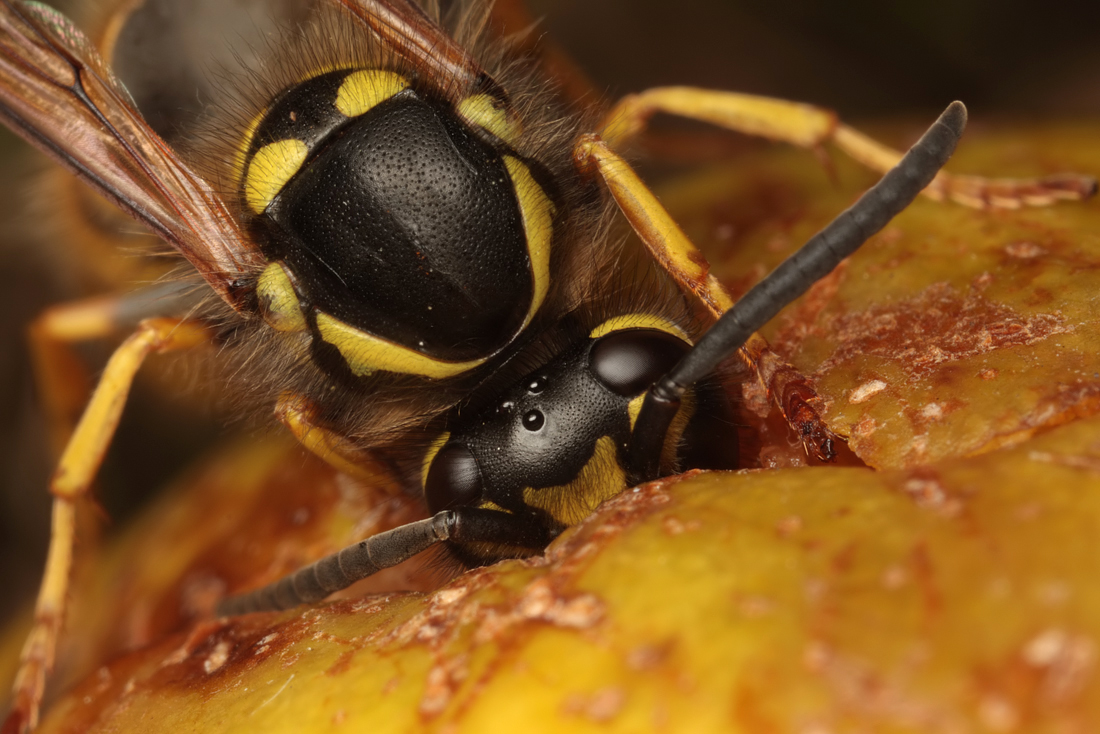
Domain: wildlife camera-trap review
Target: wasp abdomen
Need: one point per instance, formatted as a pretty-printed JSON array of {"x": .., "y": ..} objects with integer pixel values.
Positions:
[{"x": 397, "y": 221}]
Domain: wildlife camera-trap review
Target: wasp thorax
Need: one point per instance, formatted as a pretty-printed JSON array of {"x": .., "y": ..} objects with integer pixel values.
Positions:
[
  {"x": 417, "y": 242},
  {"x": 554, "y": 443}
]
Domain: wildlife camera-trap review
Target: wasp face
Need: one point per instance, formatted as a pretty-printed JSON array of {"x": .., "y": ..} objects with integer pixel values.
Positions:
[{"x": 556, "y": 442}]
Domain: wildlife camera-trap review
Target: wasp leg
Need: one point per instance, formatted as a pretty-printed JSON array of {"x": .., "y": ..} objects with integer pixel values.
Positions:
[
  {"x": 794, "y": 276},
  {"x": 63, "y": 380},
  {"x": 678, "y": 256},
  {"x": 75, "y": 471},
  {"x": 664, "y": 239},
  {"x": 811, "y": 127},
  {"x": 299, "y": 414},
  {"x": 385, "y": 550}
]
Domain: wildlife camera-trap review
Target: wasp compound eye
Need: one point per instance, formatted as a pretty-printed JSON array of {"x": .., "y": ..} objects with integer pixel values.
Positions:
[
  {"x": 627, "y": 362},
  {"x": 454, "y": 479}
]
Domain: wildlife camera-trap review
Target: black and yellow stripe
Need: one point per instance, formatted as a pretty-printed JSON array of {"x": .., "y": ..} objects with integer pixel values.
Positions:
[{"x": 324, "y": 277}]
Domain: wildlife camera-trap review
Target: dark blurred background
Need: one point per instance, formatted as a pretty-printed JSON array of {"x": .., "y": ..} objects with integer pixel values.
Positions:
[
  {"x": 864, "y": 58},
  {"x": 1010, "y": 61}
]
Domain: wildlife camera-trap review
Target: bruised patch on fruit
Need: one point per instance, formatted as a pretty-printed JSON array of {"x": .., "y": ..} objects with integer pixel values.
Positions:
[{"x": 937, "y": 327}]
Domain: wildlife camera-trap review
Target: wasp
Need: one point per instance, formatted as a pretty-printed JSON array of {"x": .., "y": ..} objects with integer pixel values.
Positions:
[{"x": 397, "y": 233}]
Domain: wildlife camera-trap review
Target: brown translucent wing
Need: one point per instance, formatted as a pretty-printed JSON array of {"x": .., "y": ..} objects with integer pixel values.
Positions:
[
  {"x": 58, "y": 94},
  {"x": 411, "y": 34}
]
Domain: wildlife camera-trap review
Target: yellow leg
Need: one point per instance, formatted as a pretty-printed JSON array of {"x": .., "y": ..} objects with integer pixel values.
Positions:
[
  {"x": 677, "y": 255},
  {"x": 299, "y": 415},
  {"x": 75, "y": 472},
  {"x": 811, "y": 127},
  {"x": 664, "y": 239},
  {"x": 63, "y": 380}
]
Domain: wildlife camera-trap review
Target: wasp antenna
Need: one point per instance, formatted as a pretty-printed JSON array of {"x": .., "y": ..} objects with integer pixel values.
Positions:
[
  {"x": 824, "y": 251},
  {"x": 812, "y": 262},
  {"x": 342, "y": 569}
]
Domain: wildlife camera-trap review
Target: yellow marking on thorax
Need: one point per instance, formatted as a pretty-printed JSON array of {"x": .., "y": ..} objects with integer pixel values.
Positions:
[
  {"x": 638, "y": 321},
  {"x": 600, "y": 479},
  {"x": 240, "y": 157},
  {"x": 482, "y": 111},
  {"x": 363, "y": 90},
  {"x": 270, "y": 169},
  {"x": 538, "y": 213},
  {"x": 366, "y": 353},
  {"x": 429, "y": 457},
  {"x": 282, "y": 310}
]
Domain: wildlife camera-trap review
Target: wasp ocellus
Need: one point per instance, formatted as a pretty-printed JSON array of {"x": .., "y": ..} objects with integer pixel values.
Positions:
[{"x": 399, "y": 234}]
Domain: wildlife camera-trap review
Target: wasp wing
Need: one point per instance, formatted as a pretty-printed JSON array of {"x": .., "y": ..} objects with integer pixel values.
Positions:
[
  {"x": 58, "y": 94},
  {"x": 407, "y": 29}
]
